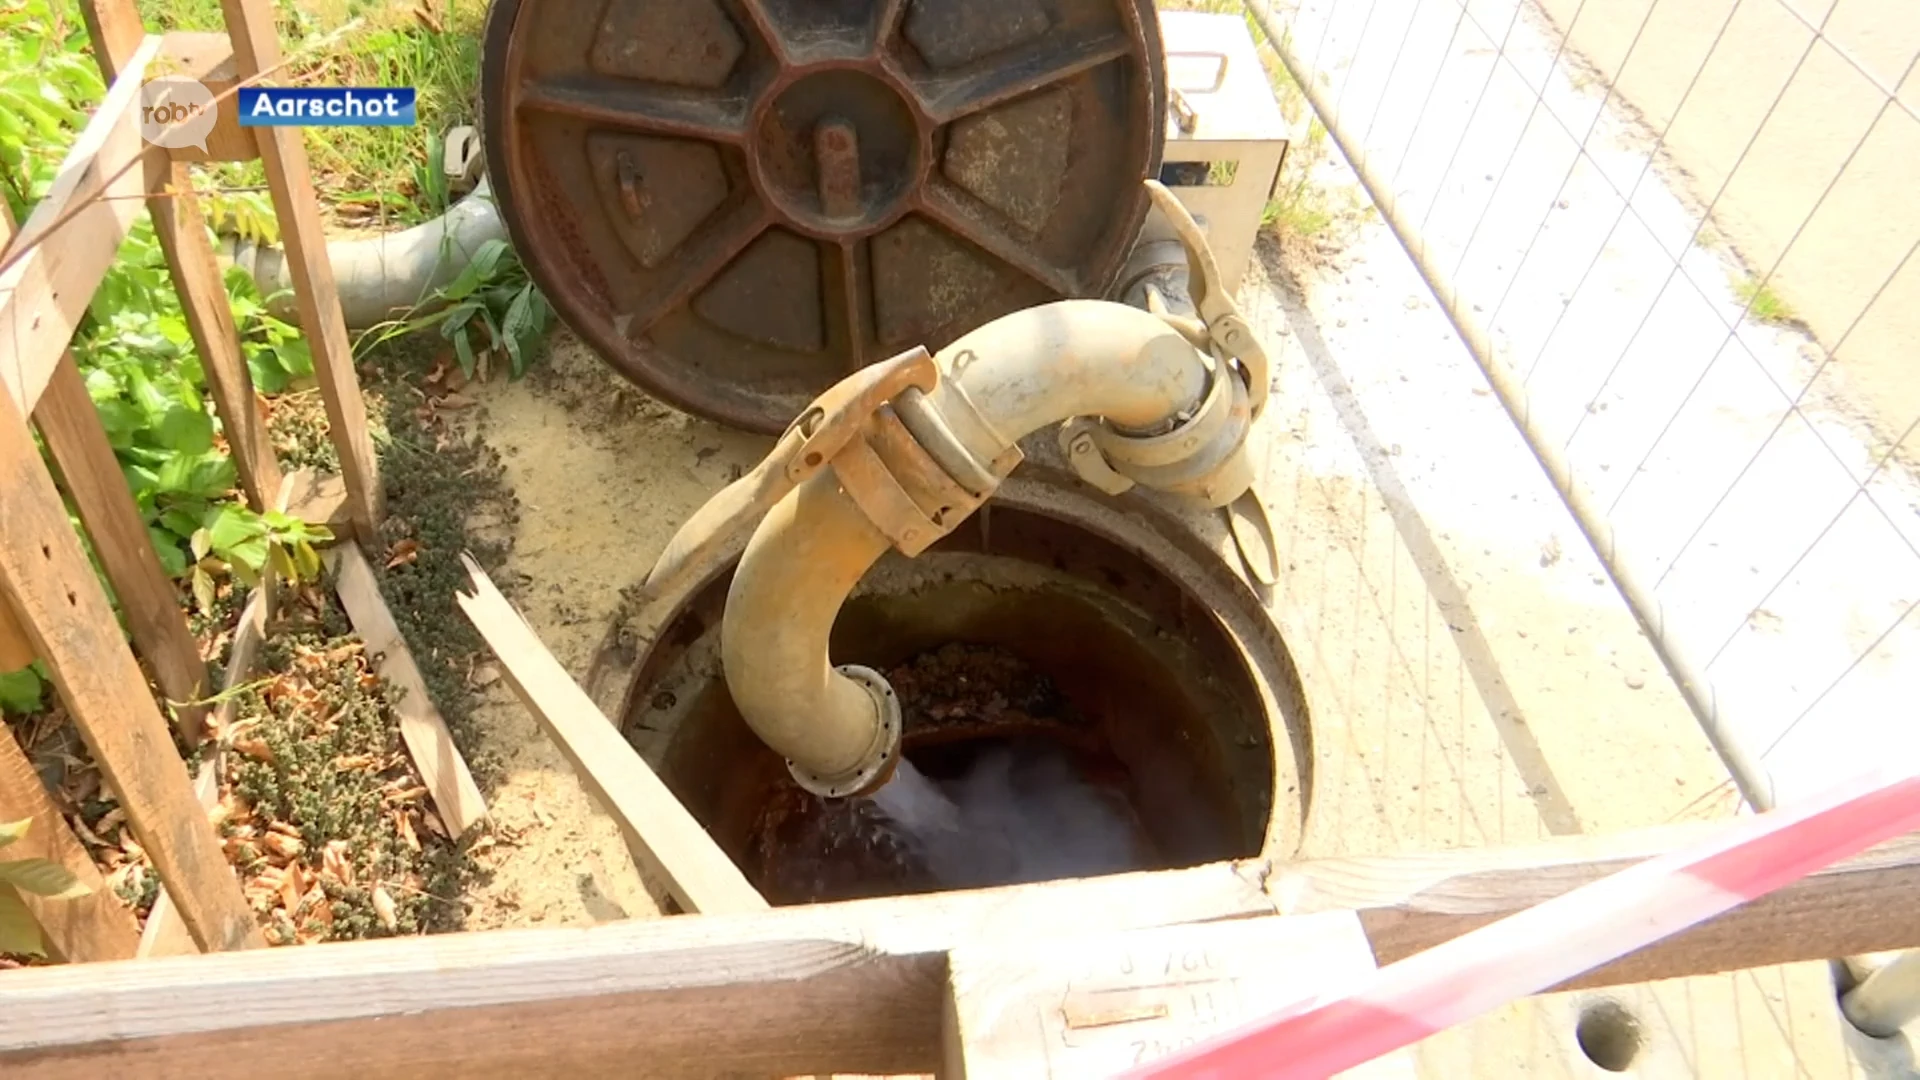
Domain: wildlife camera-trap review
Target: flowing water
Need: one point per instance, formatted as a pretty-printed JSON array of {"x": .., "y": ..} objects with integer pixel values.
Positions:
[{"x": 1013, "y": 814}]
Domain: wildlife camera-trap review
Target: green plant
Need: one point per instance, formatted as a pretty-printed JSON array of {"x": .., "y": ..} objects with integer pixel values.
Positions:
[
  {"x": 19, "y": 931},
  {"x": 20, "y": 691},
  {"x": 133, "y": 346},
  {"x": 237, "y": 541},
  {"x": 1763, "y": 304},
  {"x": 492, "y": 293}
]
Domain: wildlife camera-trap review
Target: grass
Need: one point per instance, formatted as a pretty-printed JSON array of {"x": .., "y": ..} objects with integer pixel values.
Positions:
[
  {"x": 1763, "y": 304},
  {"x": 366, "y": 175}
]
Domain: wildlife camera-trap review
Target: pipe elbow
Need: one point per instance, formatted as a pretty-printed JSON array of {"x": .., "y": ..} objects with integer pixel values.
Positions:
[{"x": 839, "y": 728}]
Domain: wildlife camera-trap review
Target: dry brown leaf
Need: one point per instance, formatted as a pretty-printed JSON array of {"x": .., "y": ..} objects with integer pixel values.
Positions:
[
  {"x": 433, "y": 823},
  {"x": 292, "y": 887},
  {"x": 333, "y": 860},
  {"x": 110, "y": 820},
  {"x": 407, "y": 795},
  {"x": 282, "y": 846},
  {"x": 481, "y": 846},
  {"x": 256, "y": 749},
  {"x": 383, "y": 906},
  {"x": 132, "y": 847},
  {"x": 403, "y": 553},
  {"x": 483, "y": 676},
  {"x": 450, "y": 402},
  {"x": 403, "y": 825}
]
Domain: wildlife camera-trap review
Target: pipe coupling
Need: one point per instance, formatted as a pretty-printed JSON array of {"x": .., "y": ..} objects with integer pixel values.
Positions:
[
  {"x": 877, "y": 766},
  {"x": 1203, "y": 456}
]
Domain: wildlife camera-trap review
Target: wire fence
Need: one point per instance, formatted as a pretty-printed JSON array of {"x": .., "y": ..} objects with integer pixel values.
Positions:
[{"x": 1679, "y": 237}]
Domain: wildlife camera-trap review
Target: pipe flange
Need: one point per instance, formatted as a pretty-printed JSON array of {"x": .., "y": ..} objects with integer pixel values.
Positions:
[
  {"x": 879, "y": 766},
  {"x": 1205, "y": 457}
]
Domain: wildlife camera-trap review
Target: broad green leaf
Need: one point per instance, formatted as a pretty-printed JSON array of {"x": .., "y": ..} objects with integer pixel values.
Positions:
[
  {"x": 212, "y": 476},
  {"x": 231, "y": 525},
  {"x": 42, "y": 877},
  {"x": 244, "y": 574},
  {"x": 203, "y": 593},
  {"x": 20, "y": 691},
  {"x": 167, "y": 547},
  {"x": 14, "y": 830},
  {"x": 283, "y": 563},
  {"x": 19, "y": 930},
  {"x": 251, "y": 553},
  {"x": 268, "y": 376},
  {"x": 186, "y": 431},
  {"x": 307, "y": 561},
  {"x": 182, "y": 523}
]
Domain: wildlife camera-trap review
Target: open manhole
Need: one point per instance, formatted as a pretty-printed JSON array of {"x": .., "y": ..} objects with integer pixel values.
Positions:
[{"x": 1060, "y": 680}]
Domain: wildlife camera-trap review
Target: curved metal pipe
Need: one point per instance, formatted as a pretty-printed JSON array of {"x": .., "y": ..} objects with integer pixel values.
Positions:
[
  {"x": 385, "y": 276},
  {"x": 998, "y": 384}
]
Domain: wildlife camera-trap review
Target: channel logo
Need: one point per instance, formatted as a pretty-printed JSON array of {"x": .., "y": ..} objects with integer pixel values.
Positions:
[
  {"x": 326, "y": 106},
  {"x": 177, "y": 113}
]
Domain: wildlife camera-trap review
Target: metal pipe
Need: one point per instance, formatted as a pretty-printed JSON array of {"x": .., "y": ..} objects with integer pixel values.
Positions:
[
  {"x": 1755, "y": 785},
  {"x": 998, "y": 384},
  {"x": 1887, "y": 1000},
  {"x": 387, "y": 276}
]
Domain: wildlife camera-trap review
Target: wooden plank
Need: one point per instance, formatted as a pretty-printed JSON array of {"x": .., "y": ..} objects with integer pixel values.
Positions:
[
  {"x": 812, "y": 989},
  {"x": 666, "y": 841},
  {"x": 71, "y": 427},
  {"x": 455, "y": 796},
  {"x": 45, "y": 287},
  {"x": 206, "y": 58},
  {"x": 255, "y": 49},
  {"x": 50, "y": 584},
  {"x": 115, "y": 29},
  {"x": 182, "y": 231},
  {"x": 1411, "y": 903},
  {"x": 1094, "y": 1007},
  {"x": 16, "y": 651},
  {"x": 319, "y": 498},
  {"x": 853, "y": 987},
  {"x": 92, "y": 927},
  {"x": 165, "y": 933}
]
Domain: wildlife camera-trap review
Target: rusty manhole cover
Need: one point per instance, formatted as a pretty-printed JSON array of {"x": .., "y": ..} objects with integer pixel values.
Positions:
[{"x": 737, "y": 203}]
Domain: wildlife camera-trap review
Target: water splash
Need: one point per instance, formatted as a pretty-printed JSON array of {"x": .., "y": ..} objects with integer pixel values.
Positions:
[{"x": 1013, "y": 815}]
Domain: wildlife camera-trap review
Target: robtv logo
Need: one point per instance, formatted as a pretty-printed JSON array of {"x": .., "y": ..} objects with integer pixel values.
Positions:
[
  {"x": 328, "y": 106},
  {"x": 177, "y": 113}
]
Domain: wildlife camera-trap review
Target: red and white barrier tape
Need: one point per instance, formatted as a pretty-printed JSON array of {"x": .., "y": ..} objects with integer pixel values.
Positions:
[{"x": 1554, "y": 941}]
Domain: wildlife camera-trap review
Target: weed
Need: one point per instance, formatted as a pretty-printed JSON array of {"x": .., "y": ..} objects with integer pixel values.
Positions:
[
  {"x": 322, "y": 754},
  {"x": 19, "y": 931},
  {"x": 440, "y": 485},
  {"x": 492, "y": 292},
  {"x": 371, "y": 175},
  {"x": 1763, "y": 304}
]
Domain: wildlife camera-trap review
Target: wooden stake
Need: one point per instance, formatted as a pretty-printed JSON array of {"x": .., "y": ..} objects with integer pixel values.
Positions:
[
  {"x": 665, "y": 839},
  {"x": 71, "y": 427},
  {"x": 256, "y": 48},
  {"x": 46, "y": 578},
  {"x": 448, "y": 780},
  {"x": 85, "y": 928}
]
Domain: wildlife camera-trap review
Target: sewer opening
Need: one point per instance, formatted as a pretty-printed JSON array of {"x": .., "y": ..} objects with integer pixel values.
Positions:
[
  {"x": 1609, "y": 1035},
  {"x": 1082, "y": 709}
]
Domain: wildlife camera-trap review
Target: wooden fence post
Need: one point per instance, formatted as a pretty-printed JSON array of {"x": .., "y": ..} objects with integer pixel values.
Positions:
[
  {"x": 91, "y": 927},
  {"x": 115, "y": 27},
  {"x": 256, "y": 48}
]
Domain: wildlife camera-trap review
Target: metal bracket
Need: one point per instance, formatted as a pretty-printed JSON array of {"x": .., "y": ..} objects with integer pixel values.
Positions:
[
  {"x": 1230, "y": 336},
  {"x": 834, "y": 420},
  {"x": 1084, "y": 457}
]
